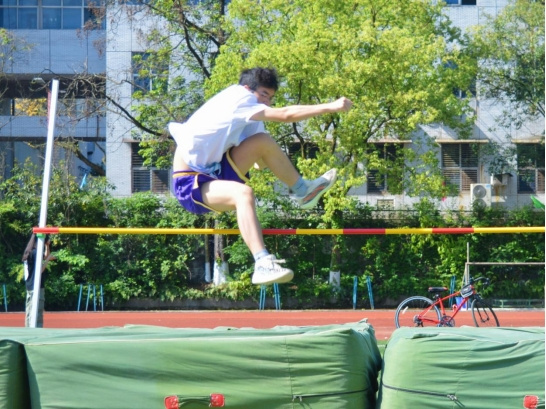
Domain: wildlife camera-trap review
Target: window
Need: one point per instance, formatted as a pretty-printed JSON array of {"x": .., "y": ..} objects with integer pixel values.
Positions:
[
  {"x": 530, "y": 168},
  {"x": 148, "y": 73},
  {"x": 377, "y": 179},
  {"x": 147, "y": 179},
  {"x": 459, "y": 93},
  {"x": 460, "y": 165},
  {"x": 52, "y": 14},
  {"x": 461, "y": 2}
]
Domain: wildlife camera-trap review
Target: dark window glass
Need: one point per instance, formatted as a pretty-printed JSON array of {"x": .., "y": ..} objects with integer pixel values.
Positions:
[
  {"x": 160, "y": 181},
  {"x": 147, "y": 179},
  {"x": 378, "y": 182},
  {"x": 95, "y": 16},
  {"x": 52, "y": 14},
  {"x": 450, "y": 156},
  {"x": 460, "y": 165},
  {"x": 72, "y": 19},
  {"x": 27, "y": 18},
  {"x": 530, "y": 168},
  {"x": 148, "y": 75},
  {"x": 8, "y": 18},
  {"x": 51, "y": 18}
]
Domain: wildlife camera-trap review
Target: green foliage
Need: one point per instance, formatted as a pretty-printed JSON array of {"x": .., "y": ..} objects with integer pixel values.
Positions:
[
  {"x": 398, "y": 61},
  {"x": 511, "y": 48},
  {"x": 179, "y": 57},
  {"x": 396, "y": 66},
  {"x": 169, "y": 267}
]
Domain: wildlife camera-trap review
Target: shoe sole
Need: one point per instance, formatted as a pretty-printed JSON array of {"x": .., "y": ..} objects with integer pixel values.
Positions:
[
  {"x": 282, "y": 279},
  {"x": 313, "y": 202}
]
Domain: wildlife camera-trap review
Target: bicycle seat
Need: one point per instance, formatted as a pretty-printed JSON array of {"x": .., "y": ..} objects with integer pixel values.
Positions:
[{"x": 437, "y": 290}]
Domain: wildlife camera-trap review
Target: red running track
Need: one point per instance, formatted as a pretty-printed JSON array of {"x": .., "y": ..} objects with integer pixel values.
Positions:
[{"x": 381, "y": 320}]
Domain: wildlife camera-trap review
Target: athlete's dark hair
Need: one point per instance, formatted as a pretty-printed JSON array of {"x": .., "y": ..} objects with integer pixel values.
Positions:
[{"x": 259, "y": 77}]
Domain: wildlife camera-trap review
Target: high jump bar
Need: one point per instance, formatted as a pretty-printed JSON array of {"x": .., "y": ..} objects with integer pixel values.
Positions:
[{"x": 348, "y": 231}]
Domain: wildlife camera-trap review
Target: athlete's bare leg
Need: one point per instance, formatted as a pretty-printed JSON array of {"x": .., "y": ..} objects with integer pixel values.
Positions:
[
  {"x": 262, "y": 148},
  {"x": 225, "y": 195}
]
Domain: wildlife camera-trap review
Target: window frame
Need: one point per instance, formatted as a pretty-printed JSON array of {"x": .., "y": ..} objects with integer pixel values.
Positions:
[
  {"x": 158, "y": 180},
  {"x": 530, "y": 176},
  {"x": 464, "y": 170},
  {"x": 390, "y": 151},
  {"x": 15, "y": 18},
  {"x": 145, "y": 84},
  {"x": 461, "y": 2}
]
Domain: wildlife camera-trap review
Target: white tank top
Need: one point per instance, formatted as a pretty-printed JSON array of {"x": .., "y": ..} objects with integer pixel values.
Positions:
[{"x": 221, "y": 123}]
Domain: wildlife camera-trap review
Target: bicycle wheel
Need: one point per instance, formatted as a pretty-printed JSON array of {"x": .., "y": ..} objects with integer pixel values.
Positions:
[
  {"x": 411, "y": 313},
  {"x": 483, "y": 314}
]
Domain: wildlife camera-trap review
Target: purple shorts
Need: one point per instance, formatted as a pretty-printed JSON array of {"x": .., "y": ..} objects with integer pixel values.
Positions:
[{"x": 187, "y": 184}]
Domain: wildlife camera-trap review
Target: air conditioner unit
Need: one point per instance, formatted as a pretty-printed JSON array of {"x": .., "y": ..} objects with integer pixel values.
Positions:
[{"x": 480, "y": 194}]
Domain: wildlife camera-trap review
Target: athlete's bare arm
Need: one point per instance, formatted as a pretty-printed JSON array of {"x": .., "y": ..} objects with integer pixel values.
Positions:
[{"x": 295, "y": 113}]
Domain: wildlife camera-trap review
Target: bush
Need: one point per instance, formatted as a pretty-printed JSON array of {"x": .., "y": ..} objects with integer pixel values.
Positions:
[{"x": 169, "y": 267}]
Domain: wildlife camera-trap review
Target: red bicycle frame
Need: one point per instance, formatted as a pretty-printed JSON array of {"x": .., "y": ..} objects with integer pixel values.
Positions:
[{"x": 439, "y": 303}]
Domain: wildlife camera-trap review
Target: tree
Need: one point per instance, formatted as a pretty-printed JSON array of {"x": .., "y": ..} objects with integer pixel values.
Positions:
[
  {"x": 398, "y": 61},
  {"x": 510, "y": 48},
  {"x": 182, "y": 49}
]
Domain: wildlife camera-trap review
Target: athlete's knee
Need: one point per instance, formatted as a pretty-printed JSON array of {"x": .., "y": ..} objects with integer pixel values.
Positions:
[{"x": 245, "y": 195}]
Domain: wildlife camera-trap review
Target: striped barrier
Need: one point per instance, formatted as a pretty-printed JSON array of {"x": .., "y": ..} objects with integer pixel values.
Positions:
[{"x": 347, "y": 232}]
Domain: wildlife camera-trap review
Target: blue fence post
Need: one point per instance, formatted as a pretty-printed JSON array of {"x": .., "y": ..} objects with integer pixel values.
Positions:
[
  {"x": 355, "y": 288},
  {"x": 262, "y": 296},
  {"x": 101, "y": 298},
  {"x": 80, "y": 297},
  {"x": 277, "y": 296},
  {"x": 5, "y": 297},
  {"x": 94, "y": 298},
  {"x": 88, "y": 296},
  {"x": 370, "y": 293}
]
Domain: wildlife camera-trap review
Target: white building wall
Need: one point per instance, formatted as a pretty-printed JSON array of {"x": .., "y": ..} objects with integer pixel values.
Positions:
[{"x": 124, "y": 37}]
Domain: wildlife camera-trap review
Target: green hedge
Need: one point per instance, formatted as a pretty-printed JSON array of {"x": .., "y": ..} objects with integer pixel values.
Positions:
[{"x": 170, "y": 267}]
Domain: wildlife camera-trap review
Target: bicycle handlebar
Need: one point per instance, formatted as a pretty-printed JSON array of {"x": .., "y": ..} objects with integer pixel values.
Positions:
[{"x": 485, "y": 280}]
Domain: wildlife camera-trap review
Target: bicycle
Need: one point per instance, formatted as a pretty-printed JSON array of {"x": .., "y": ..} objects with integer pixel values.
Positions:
[{"x": 418, "y": 311}]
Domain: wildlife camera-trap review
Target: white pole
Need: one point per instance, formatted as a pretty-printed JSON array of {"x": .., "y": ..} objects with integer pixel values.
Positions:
[{"x": 52, "y": 109}]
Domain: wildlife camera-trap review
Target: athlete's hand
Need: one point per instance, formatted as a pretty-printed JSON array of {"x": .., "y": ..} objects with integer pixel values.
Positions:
[{"x": 342, "y": 104}]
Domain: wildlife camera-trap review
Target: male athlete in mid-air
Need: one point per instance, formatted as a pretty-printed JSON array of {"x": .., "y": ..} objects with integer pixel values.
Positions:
[{"x": 222, "y": 140}]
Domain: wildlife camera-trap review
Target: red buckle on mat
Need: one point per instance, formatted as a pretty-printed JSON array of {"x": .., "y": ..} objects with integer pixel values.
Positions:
[
  {"x": 215, "y": 400},
  {"x": 171, "y": 402},
  {"x": 530, "y": 402}
]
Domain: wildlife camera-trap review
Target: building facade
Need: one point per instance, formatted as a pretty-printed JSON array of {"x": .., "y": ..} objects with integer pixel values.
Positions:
[
  {"x": 61, "y": 46},
  {"x": 49, "y": 40}
]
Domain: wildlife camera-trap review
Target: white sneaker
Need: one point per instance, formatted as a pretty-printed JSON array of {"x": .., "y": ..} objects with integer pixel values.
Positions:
[
  {"x": 316, "y": 189},
  {"x": 267, "y": 271}
]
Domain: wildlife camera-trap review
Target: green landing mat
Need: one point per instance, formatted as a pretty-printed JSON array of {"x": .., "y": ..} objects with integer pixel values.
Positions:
[
  {"x": 139, "y": 366},
  {"x": 467, "y": 367}
]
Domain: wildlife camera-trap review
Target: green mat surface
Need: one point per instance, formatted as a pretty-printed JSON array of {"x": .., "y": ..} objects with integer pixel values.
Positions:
[
  {"x": 139, "y": 366},
  {"x": 463, "y": 367}
]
